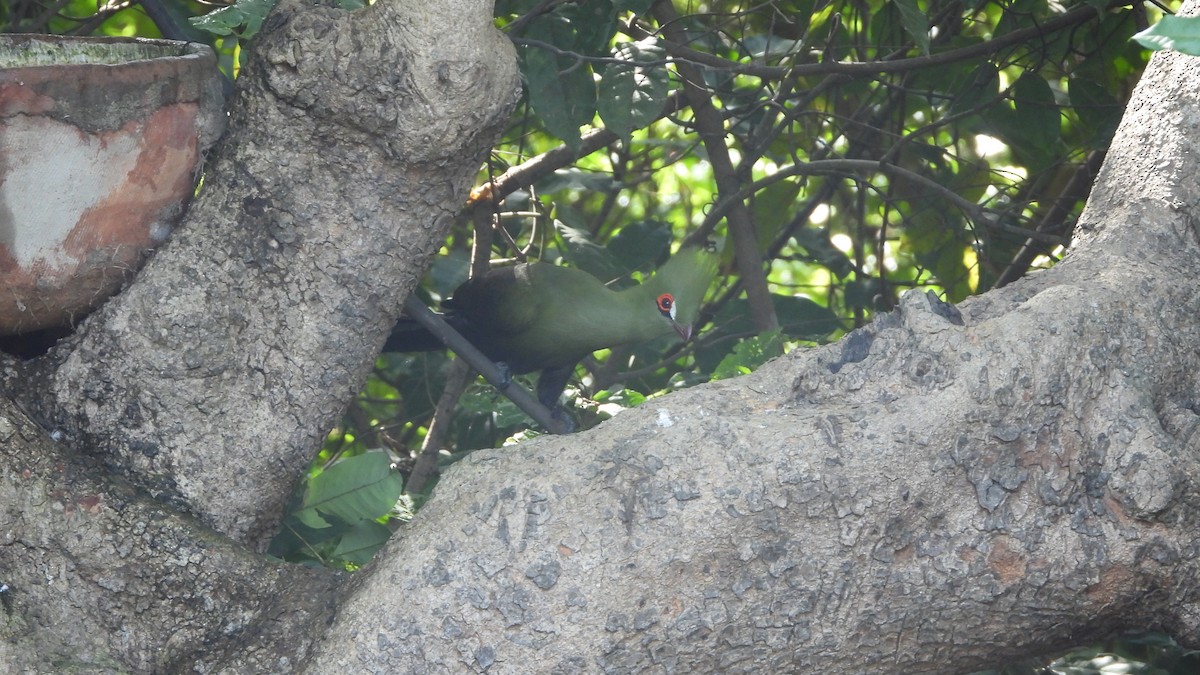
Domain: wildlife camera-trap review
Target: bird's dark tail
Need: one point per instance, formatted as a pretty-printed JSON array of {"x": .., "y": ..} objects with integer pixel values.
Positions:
[{"x": 410, "y": 336}]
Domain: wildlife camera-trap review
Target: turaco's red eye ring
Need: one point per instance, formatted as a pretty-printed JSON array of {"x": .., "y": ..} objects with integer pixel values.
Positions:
[{"x": 666, "y": 305}]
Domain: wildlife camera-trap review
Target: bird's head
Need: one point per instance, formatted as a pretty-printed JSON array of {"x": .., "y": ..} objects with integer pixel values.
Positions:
[{"x": 678, "y": 287}]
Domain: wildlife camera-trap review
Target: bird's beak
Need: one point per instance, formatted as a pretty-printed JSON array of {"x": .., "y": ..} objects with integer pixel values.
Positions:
[{"x": 684, "y": 330}]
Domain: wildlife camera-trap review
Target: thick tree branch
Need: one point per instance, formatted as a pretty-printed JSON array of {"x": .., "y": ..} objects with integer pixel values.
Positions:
[
  {"x": 354, "y": 137},
  {"x": 922, "y": 497},
  {"x": 100, "y": 575}
]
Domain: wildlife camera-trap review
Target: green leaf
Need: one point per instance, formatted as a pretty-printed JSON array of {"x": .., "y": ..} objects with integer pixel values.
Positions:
[
  {"x": 244, "y": 18},
  {"x": 799, "y": 317},
  {"x": 621, "y": 398},
  {"x": 448, "y": 272},
  {"x": 362, "y": 541},
  {"x": 820, "y": 249},
  {"x": 559, "y": 79},
  {"x": 916, "y": 24},
  {"x": 977, "y": 89},
  {"x": 937, "y": 239},
  {"x": 310, "y": 518},
  {"x": 577, "y": 179},
  {"x": 484, "y": 400},
  {"x": 561, "y": 92},
  {"x": 861, "y": 293},
  {"x": 774, "y": 206},
  {"x": 637, "y": 246},
  {"x": 516, "y": 7},
  {"x": 592, "y": 23},
  {"x": 1035, "y": 105},
  {"x": 1032, "y": 127},
  {"x": 355, "y": 489},
  {"x": 579, "y": 249},
  {"x": 1099, "y": 111},
  {"x": 632, "y": 96},
  {"x": 1178, "y": 33},
  {"x": 749, "y": 354}
]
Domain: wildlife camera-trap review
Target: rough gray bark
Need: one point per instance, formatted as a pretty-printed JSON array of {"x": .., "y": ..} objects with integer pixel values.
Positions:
[
  {"x": 353, "y": 140},
  {"x": 921, "y": 497},
  {"x": 103, "y": 579}
]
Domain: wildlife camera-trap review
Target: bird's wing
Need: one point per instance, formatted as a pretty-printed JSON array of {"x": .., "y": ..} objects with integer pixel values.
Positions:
[{"x": 500, "y": 303}]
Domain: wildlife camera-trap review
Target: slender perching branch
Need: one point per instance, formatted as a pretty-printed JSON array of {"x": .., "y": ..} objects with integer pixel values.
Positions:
[
  {"x": 482, "y": 216},
  {"x": 483, "y": 365}
]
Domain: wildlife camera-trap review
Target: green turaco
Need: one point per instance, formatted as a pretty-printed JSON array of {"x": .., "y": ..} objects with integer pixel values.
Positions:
[{"x": 539, "y": 316}]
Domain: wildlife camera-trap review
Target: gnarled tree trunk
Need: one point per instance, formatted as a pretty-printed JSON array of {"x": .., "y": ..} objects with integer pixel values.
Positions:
[{"x": 354, "y": 138}]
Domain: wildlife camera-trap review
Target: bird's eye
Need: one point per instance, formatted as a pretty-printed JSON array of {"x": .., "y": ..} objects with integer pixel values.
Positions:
[{"x": 666, "y": 305}]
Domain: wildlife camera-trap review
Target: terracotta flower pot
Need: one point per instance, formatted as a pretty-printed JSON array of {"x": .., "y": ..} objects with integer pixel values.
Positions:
[{"x": 101, "y": 143}]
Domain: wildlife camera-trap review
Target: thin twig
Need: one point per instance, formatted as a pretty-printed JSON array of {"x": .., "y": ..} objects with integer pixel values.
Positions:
[{"x": 483, "y": 365}]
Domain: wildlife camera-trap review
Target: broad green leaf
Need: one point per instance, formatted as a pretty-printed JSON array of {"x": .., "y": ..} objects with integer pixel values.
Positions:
[
  {"x": 1032, "y": 127},
  {"x": 484, "y": 400},
  {"x": 799, "y": 318},
  {"x": 815, "y": 241},
  {"x": 561, "y": 92},
  {"x": 244, "y": 18},
  {"x": 916, "y": 24},
  {"x": 1178, "y": 33},
  {"x": 517, "y": 7},
  {"x": 639, "y": 245},
  {"x": 977, "y": 89},
  {"x": 576, "y": 179},
  {"x": 579, "y": 249},
  {"x": 769, "y": 45},
  {"x": 749, "y": 354},
  {"x": 774, "y": 206},
  {"x": 1099, "y": 111},
  {"x": 448, "y": 271},
  {"x": 936, "y": 238},
  {"x": 1037, "y": 109},
  {"x": 860, "y": 293},
  {"x": 298, "y": 540},
  {"x": 312, "y": 519},
  {"x": 354, "y": 489},
  {"x": 1019, "y": 14},
  {"x": 632, "y": 96},
  {"x": 362, "y": 541},
  {"x": 635, "y": 6},
  {"x": 593, "y": 24},
  {"x": 624, "y": 397}
]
